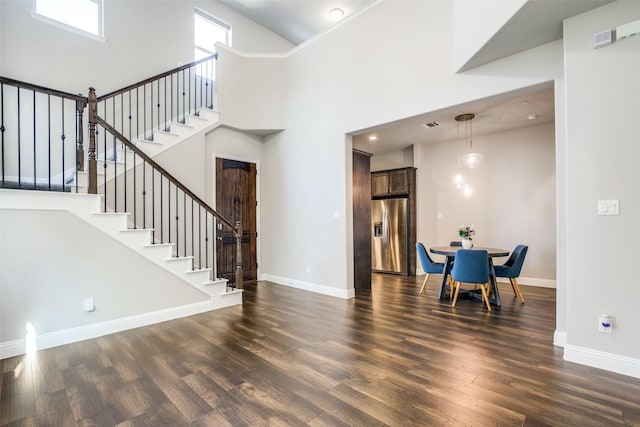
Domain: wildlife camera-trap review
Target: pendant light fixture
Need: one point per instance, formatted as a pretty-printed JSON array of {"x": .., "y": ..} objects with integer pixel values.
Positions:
[{"x": 470, "y": 159}]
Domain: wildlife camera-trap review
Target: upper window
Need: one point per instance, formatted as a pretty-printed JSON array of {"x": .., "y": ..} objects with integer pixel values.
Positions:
[
  {"x": 209, "y": 30},
  {"x": 83, "y": 15}
]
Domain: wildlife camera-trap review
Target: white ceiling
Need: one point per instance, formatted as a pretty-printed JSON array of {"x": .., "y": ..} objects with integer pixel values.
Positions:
[
  {"x": 295, "y": 20},
  {"x": 536, "y": 23},
  {"x": 512, "y": 110}
]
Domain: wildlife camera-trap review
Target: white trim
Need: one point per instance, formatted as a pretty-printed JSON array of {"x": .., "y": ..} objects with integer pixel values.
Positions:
[
  {"x": 311, "y": 287},
  {"x": 221, "y": 46},
  {"x": 67, "y": 27},
  {"x": 531, "y": 281},
  {"x": 602, "y": 360},
  {"x": 559, "y": 338},
  {"x": 80, "y": 333}
]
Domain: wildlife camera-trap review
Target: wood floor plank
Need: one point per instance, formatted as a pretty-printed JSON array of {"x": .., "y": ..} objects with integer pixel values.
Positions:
[{"x": 288, "y": 357}]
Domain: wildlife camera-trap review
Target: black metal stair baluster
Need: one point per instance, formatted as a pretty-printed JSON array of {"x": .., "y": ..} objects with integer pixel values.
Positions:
[
  {"x": 144, "y": 110},
  {"x": 166, "y": 123},
  {"x": 184, "y": 113},
  {"x": 35, "y": 179},
  {"x": 137, "y": 113},
  {"x": 193, "y": 252},
  {"x": 177, "y": 226},
  {"x": 158, "y": 105},
  {"x": 115, "y": 164},
  {"x": 62, "y": 138},
  {"x": 201, "y": 79},
  {"x": 123, "y": 149},
  {"x": 171, "y": 77},
  {"x": 2, "y": 128},
  {"x": 206, "y": 239},
  {"x": 129, "y": 115},
  {"x": 184, "y": 222},
  {"x": 199, "y": 236},
  {"x": 169, "y": 208},
  {"x": 49, "y": 144},
  {"x": 161, "y": 212},
  {"x": 114, "y": 155},
  {"x": 153, "y": 201},
  {"x": 144, "y": 198},
  {"x": 206, "y": 86},
  {"x": 19, "y": 143},
  {"x": 151, "y": 108},
  {"x": 190, "y": 91},
  {"x": 104, "y": 164},
  {"x": 135, "y": 192},
  {"x": 78, "y": 142}
]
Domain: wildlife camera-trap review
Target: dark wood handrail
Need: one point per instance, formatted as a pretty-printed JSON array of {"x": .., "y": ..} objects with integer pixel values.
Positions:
[
  {"x": 156, "y": 77},
  {"x": 31, "y": 86},
  {"x": 164, "y": 172}
]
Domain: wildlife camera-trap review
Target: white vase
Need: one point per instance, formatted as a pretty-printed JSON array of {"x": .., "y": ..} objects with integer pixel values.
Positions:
[{"x": 467, "y": 244}]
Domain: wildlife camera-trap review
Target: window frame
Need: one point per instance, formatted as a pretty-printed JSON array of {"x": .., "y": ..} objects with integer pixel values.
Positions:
[
  {"x": 71, "y": 28},
  {"x": 215, "y": 21}
]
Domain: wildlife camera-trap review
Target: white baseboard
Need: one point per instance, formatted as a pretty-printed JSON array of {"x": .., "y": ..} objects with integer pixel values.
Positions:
[
  {"x": 80, "y": 333},
  {"x": 602, "y": 360},
  {"x": 531, "y": 281},
  {"x": 311, "y": 287},
  {"x": 559, "y": 338}
]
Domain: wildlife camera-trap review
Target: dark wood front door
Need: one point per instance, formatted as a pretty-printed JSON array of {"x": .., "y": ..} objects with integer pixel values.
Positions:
[{"x": 236, "y": 201}]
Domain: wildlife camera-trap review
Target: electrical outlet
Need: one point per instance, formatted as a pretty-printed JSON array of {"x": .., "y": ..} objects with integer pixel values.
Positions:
[
  {"x": 605, "y": 323},
  {"x": 88, "y": 304}
]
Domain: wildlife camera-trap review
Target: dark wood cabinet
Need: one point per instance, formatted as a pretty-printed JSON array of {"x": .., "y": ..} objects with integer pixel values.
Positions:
[
  {"x": 361, "y": 221},
  {"x": 393, "y": 182},
  {"x": 379, "y": 184},
  {"x": 399, "y": 183}
]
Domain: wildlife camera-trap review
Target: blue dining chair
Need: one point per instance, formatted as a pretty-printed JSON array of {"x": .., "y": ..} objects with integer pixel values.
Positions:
[
  {"x": 428, "y": 265},
  {"x": 471, "y": 266},
  {"x": 511, "y": 269}
]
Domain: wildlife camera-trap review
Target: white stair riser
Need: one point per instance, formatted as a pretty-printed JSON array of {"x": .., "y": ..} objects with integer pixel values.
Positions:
[
  {"x": 136, "y": 238},
  {"x": 111, "y": 222},
  {"x": 179, "y": 265}
]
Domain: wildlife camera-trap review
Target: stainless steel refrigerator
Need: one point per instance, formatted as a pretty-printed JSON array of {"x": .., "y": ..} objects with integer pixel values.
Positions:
[{"x": 389, "y": 235}]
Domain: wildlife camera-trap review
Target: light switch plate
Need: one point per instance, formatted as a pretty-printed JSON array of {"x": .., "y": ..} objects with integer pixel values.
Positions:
[{"x": 608, "y": 207}]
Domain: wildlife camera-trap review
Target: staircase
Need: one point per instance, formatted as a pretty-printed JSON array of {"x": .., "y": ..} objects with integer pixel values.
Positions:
[
  {"x": 134, "y": 200},
  {"x": 88, "y": 208},
  {"x": 160, "y": 140}
]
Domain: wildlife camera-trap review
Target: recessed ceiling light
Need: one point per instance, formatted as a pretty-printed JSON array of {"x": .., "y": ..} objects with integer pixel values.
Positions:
[
  {"x": 532, "y": 116},
  {"x": 336, "y": 14},
  {"x": 373, "y": 138}
]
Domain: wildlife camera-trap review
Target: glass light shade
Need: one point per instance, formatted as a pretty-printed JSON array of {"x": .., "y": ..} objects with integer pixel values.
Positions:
[
  {"x": 458, "y": 180},
  {"x": 467, "y": 190},
  {"x": 471, "y": 160}
]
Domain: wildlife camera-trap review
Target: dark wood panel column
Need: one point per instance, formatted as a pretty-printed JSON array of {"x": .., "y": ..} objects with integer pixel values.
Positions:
[{"x": 361, "y": 221}]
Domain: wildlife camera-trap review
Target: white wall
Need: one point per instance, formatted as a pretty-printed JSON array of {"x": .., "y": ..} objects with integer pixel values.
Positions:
[
  {"x": 603, "y": 145},
  {"x": 393, "y": 160},
  {"x": 472, "y": 34},
  {"x": 255, "y": 92},
  {"x": 142, "y": 38},
  {"x": 513, "y": 200},
  {"x": 353, "y": 78}
]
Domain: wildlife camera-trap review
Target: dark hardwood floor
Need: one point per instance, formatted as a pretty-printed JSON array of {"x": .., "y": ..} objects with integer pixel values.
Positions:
[{"x": 289, "y": 357}]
